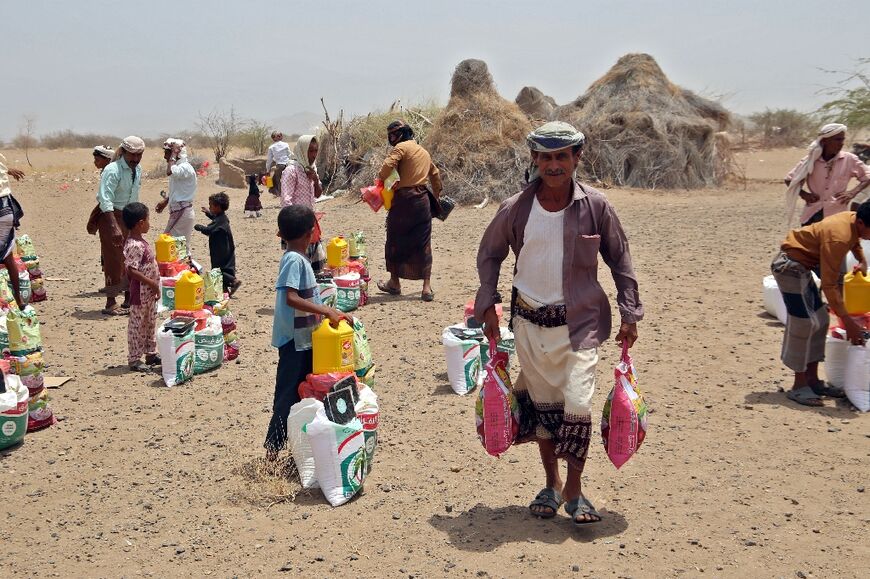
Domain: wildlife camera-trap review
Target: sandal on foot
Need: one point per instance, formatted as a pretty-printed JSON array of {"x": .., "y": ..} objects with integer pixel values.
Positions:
[
  {"x": 153, "y": 360},
  {"x": 582, "y": 506},
  {"x": 427, "y": 296},
  {"x": 549, "y": 498},
  {"x": 116, "y": 311},
  {"x": 388, "y": 289},
  {"x": 804, "y": 396},
  {"x": 820, "y": 388},
  {"x": 140, "y": 366}
]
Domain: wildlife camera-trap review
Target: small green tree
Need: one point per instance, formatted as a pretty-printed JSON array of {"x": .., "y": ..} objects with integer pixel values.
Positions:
[
  {"x": 852, "y": 103},
  {"x": 220, "y": 129},
  {"x": 256, "y": 136}
]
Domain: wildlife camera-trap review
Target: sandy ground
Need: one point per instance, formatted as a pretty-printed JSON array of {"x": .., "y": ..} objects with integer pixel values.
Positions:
[{"x": 732, "y": 481}]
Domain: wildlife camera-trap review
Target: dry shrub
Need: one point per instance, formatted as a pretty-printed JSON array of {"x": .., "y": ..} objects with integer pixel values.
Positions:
[
  {"x": 781, "y": 128},
  {"x": 478, "y": 141},
  {"x": 362, "y": 144},
  {"x": 537, "y": 106},
  {"x": 644, "y": 131},
  {"x": 265, "y": 485}
]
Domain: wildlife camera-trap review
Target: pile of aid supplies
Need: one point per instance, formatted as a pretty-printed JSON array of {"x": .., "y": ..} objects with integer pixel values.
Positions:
[
  {"x": 467, "y": 350},
  {"x": 200, "y": 333},
  {"x": 23, "y": 396},
  {"x": 847, "y": 366},
  {"x": 332, "y": 431}
]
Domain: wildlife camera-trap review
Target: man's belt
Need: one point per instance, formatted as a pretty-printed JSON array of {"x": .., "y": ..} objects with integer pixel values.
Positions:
[
  {"x": 180, "y": 206},
  {"x": 545, "y": 316}
]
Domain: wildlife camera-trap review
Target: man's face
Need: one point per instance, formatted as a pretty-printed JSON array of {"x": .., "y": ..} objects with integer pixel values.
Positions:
[
  {"x": 167, "y": 154},
  {"x": 833, "y": 145},
  {"x": 100, "y": 162},
  {"x": 132, "y": 159},
  {"x": 556, "y": 167},
  {"x": 393, "y": 136}
]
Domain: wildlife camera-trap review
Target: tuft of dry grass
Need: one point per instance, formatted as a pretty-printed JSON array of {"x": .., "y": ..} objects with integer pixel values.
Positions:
[
  {"x": 644, "y": 131},
  {"x": 265, "y": 485}
]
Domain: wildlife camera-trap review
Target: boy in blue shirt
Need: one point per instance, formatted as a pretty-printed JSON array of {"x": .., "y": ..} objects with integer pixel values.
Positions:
[{"x": 297, "y": 313}]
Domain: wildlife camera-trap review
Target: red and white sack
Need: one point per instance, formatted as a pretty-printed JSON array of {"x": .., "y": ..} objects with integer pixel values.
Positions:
[
  {"x": 624, "y": 420},
  {"x": 497, "y": 413}
]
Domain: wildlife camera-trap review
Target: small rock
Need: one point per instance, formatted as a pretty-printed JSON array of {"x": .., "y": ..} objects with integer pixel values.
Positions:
[
  {"x": 833, "y": 429},
  {"x": 750, "y": 543},
  {"x": 575, "y": 568},
  {"x": 449, "y": 508},
  {"x": 288, "y": 566},
  {"x": 396, "y": 516},
  {"x": 800, "y": 574},
  {"x": 386, "y": 488},
  {"x": 179, "y": 551},
  {"x": 306, "y": 515},
  {"x": 860, "y": 489},
  {"x": 319, "y": 559}
]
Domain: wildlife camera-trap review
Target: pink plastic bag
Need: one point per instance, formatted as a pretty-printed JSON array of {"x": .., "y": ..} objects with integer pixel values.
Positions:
[
  {"x": 624, "y": 420},
  {"x": 372, "y": 196},
  {"x": 497, "y": 412}
]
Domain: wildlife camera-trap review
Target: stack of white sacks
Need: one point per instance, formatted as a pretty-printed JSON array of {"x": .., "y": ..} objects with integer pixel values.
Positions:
[{"x": 467, "y": 351}]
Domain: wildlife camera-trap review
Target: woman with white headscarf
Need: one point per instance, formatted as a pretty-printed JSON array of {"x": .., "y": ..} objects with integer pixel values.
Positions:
[
  {"x": 300, "y": 185},
  {"x": 826, "y": 172}
]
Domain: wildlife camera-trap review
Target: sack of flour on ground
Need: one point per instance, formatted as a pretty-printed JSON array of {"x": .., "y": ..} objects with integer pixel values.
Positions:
[
  {"x": 209, "y": 346},
  {"x": 773, "y": 302},
  {"x": 23, "y": 329},
  {"x": 301, "y": 414},
  {"x": 857, "y": 380},
  {"x": 13, "y": 411},
  {"x": 340, "y": 459},
  {"x": 624, "y": 420},
  {"x": 497, "y": 413},
  {"x": 836, "y": 355},
  {"x": 175, "y": 344},
  {"x": 368, "y": 412},
  {"x": 463, "y": 359}
]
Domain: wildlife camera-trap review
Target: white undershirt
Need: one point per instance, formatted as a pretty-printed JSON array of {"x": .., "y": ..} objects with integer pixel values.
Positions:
[{"x": 539, "y": 265}]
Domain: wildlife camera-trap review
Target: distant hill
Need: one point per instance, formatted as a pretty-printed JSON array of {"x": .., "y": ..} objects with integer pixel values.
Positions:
[{"x": 297, "y": 123}]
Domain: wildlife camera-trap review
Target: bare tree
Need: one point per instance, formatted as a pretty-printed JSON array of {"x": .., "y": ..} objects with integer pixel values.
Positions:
[
  {"x": 26, "y": 139},
  {"x": 255, "y": 135},
  {"x": 220, "y": 129}
]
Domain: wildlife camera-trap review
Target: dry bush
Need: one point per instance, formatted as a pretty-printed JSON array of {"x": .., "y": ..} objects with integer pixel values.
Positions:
[
  {"x": 69, "y": 139},
  {"x": 478, "y": 141},
  {"x": 781, "y": 128},
  {"x": 362, "y": 146},
  {"x": 644, "y": 131},
  {"x": 265, "y": 485}
]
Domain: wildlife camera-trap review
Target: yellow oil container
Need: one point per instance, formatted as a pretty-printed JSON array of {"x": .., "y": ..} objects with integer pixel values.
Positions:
[
  {"x": 856, "y": 293},
  {"x": 387, "y": 196},
  {"x": 337, "y": 252},
  {"x": 268, "y": 182},
  {"x": 189, "y": 292},
  {"x": 167, "y": 252},
  {"x": 332, "y": 348}
]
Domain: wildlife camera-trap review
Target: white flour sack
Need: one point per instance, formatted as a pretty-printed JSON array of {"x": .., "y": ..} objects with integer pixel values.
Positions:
[
  {"x": 463, "y": 362},
  {"x": 857, "y": 383},
  {"x": 340, "y": 459},
  {"x": 773, "y": 303},
  {"x": 301, "y": 414},
  {"x": 836, "y": 355}
]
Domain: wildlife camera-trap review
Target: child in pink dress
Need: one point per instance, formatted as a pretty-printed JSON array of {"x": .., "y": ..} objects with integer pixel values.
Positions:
[{"x": 144, "y": 289}]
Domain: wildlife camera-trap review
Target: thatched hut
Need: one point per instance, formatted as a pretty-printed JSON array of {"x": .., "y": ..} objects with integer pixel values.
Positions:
[
  {"x": 536, "y": 105},
  {"x": 644, "y": 131},
  {"x": 478, "y": 141}
]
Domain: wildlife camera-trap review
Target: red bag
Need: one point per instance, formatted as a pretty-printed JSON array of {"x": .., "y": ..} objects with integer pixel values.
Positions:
[
  {"x": 624, "y": 420},
  {"x": 373, "y": 196},
  {"x": 497, "y": 412},
  {"x": 317, "y": 385}
]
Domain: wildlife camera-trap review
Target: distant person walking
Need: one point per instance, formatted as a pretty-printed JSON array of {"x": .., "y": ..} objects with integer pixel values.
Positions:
[
  {"x": 119, "y": 186},
  {"x": 279, "y": 156},
  {"x": 408, "y": 249},
  {"x": 825, "y": 172},
  {"x": 182, "y": 190},
  {"x": 10, "y": 216}
]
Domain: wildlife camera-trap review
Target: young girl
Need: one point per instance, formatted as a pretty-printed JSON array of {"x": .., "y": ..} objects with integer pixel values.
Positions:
[
  {"x": 300, "y": 185},
  {"x": 144, "y": 289}
]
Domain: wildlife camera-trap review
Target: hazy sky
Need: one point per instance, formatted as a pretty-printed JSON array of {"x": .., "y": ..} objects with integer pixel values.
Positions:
[{"x": 151, "y": 67}]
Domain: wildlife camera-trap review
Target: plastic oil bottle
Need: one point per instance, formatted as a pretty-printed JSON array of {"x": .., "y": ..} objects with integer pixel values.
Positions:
[
  {"x": 856, "y": 293},
  {"x": 167, "y": 252},
  {"x": 332, "y": 348},
  {"x": 189, "y": 292}
]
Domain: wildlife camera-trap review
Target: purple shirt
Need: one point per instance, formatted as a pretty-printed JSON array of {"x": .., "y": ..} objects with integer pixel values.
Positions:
[{"x": 591, "y": 228}]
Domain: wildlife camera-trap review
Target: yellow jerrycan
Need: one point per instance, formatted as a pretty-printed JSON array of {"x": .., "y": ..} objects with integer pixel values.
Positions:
[
  {"x": 189, "y": 292},
  {"x": 337, "y": 252},
  {"x": 332, "y": 348},
  {"x": 167, "y": 252},
  {"x": 856, "y": 293}
]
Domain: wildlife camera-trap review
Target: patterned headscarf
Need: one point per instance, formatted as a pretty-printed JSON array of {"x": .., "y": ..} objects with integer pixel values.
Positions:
[
  {"x": 173, "y": 142},
  {"x": 131, "y": 144},
  {"x": 104, "y": 151},
  {"x": 553, "y": 136},
  {"x": 805, "y": 169}
]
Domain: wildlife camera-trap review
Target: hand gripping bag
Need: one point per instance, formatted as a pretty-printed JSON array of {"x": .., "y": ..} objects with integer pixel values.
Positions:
[
  {"x": 857, "y": 380},
  {"x": 301, "y": 414},
  {"x": 13, "y": 411},
  {"x": 340, "y": 459},
  {"x": 624, "y": 420},
  {"x": 497, "y": 412}
]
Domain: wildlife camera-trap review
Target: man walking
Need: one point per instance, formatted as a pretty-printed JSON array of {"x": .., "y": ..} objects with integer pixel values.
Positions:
[
  {"x": 279, "y": 155},
  {"x": 557, "y": 228}
]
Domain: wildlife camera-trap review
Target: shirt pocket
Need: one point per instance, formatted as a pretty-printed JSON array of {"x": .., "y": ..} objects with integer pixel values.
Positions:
[{"x": 586, "y": 251}]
